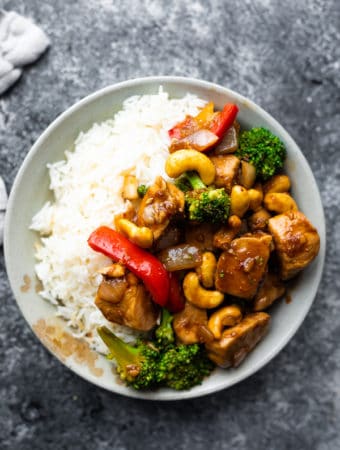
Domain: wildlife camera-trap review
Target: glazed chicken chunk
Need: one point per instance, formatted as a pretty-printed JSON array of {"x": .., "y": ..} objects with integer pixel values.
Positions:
[
  {"x": 296, "y": 242},
  {"x": 241, "y": 268},
  {"x": 161, "y": 201},
  {"x": 236, "y": 342},
  {"x": 226, "y": 170},
  {"x": 271, "y": 289},
  {"x": 125, "y": 301}
]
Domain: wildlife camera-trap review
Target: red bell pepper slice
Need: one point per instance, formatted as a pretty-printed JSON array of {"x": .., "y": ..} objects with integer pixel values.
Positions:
[
  {"x": 140, "y": 262},
  {"x": 176, "y": 131},
  {"x": 188, "y": 126},
  {"x": 176, "y": 299},
  {"x": 218, "y": 122},
  {"x": 224, "y": 119}
]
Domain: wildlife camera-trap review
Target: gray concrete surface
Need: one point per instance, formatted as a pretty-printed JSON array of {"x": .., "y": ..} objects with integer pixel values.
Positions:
[{"x": 284, "y": 56}]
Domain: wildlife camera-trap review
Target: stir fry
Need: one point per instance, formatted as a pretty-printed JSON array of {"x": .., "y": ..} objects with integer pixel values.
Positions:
[{"x": 198, "y": 260}]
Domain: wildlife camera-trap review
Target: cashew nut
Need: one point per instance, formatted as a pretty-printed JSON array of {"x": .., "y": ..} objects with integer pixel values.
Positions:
[
  {"x": 132, "y": 279},
  {"x": 280, "y": 202},
  {"x": 255, "y": 199},
  {"x": 259, "y": 220},
  {"x": 234, "y": 222},
  {"x": 206, "y": 271},
  {"x": 277, "y": 183},
  {"x": 199, "y": 296},
  {"x": 191, "y": 325},
  {"x": 141, "y": 236},
  {"x": 239, "y": 200},
  {"x": 184, "y": 160},
  {"x": 228, "y": 316},
  {"x": 115, "y": 270}
]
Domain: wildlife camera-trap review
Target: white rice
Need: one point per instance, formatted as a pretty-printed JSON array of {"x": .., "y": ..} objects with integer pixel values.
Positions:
[{"x": 87, "y": 187}]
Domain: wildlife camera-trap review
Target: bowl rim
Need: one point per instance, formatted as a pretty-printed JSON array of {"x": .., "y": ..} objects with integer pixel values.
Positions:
[{"x": 190, "y": 82}]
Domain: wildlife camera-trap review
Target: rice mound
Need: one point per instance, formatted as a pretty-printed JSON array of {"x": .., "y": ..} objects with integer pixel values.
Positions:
[{"x": 87, "y": 187}]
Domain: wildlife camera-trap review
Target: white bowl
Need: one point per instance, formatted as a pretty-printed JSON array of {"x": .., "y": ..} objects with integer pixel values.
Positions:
[{"x": 30, "y": 191}]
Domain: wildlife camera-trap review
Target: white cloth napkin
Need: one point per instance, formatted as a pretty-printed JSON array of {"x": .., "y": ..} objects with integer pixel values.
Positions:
[
  {"x": 3, "y": 203},
  {"x": 21, "y": 43}
]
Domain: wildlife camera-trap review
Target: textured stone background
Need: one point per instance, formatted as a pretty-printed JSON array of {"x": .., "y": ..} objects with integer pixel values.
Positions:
[{"x": 284, "y": 56}]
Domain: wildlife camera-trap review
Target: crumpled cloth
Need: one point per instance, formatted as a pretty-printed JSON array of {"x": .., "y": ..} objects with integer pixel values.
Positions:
[
  {"x": 21, "y": 43},
  {"x": 3, "y": 203}
]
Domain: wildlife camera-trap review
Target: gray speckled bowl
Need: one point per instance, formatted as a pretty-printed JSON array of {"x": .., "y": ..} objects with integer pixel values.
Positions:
[{"x": 30, "y": 191}]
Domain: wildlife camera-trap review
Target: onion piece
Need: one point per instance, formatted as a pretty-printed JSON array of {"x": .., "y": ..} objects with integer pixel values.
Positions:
[
  {"x": 228, "y": 143},
  {"x": 180, "y": 257},
  {"x": 201, "y": 140},
  {"x": 247, "y": 175},
  {"x": 130, "y": 185}
]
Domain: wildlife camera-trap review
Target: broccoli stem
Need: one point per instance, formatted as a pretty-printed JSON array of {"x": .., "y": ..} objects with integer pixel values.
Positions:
[
  {"x": 164, "y": 333},
  {"x": 195, "y": 180},
  {"x": 122, "y": 352}
]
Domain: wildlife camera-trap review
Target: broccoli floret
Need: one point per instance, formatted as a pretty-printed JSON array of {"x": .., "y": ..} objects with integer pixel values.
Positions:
[
  {"x": 209, "y": 205},
  {"x": 142, "y": 190},
  {"x": 164, "y": 333},
  {"x": 185, "y": 366},
  {"x": 263, "y": 149},
  {"x": 136, "y": 366},
  {"x": 206, "y": 204},
  {"x": 158, "y": 363}
]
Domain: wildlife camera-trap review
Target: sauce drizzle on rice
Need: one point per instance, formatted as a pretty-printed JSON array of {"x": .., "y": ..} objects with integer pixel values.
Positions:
[{"x": 86, "y": 187}]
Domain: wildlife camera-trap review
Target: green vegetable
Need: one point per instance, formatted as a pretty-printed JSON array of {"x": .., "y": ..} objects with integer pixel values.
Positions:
[
  {"x": 136, "y": 366},
  {"x": 206, "y": 204},
  {"x": 184, "y": 366},
  {"x": 180, "y": 366},
  {"x": 157, "y": 363},
  {"x": 210, "y": 205},
  {"x": 194, "y": 180},
  {"x": 142, "y": 190},
  {"x": 262, "y": 149},
  {"x": 164, "y": 333},
  {"x": 183, "y": 183}
]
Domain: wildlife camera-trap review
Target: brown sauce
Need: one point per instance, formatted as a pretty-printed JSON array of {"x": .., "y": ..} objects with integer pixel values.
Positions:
[
  {"x": 63, "y": 344},
  {"x": 25, "y": 287},
  {"x": 288, "y": 298}
]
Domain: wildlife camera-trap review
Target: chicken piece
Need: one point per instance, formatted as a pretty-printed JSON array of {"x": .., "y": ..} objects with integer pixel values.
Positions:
[
  {"x": 201, "y": 236},
  {"x": 112, "y": 289},
  {"x": 224, "y": 236},
  {"x": 226, "y": 170},
  {"x": 236, "y": 342},
  {"x": 191, "y": 325},
  {"x": 241, "y": 268},
  {"x": 296, "y": 241},
  {"x": 126, "y": 301},
  {"x": 161, "y": 201},
  {"x": 271, "y": 289}
]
